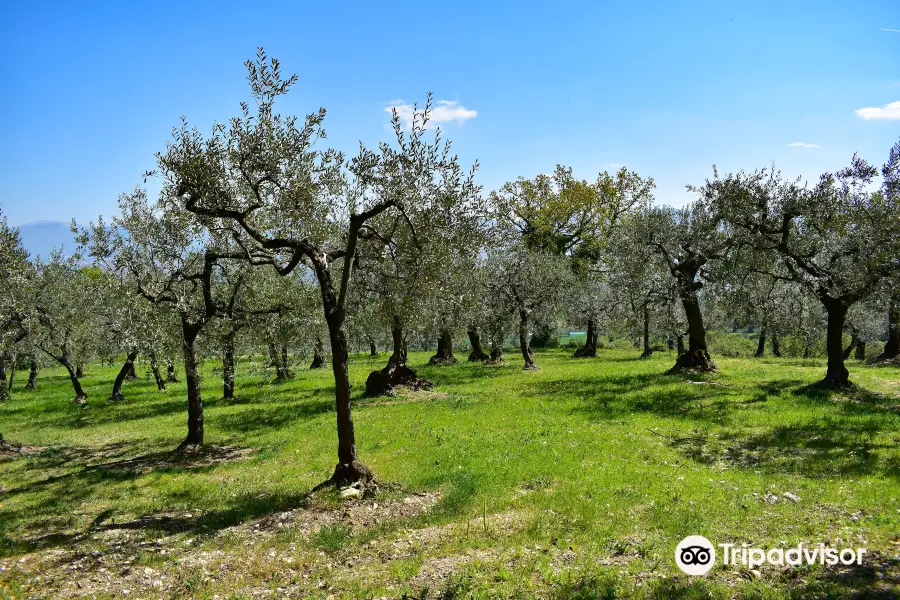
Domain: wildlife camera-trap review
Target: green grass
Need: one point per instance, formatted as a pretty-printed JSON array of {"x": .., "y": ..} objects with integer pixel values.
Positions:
[{"x": 574, "y": 481}]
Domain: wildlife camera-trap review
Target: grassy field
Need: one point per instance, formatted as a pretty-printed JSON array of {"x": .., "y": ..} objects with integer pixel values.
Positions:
[{"x": 576, "y": 481}]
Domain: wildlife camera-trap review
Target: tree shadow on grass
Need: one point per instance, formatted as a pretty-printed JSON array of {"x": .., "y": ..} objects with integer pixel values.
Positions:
[
  {"x": 55, "y": 496},
  {"x": 271, "y": 417},
  {"x": 654, "y": 393},
  {"x": 830, "y": 448}
]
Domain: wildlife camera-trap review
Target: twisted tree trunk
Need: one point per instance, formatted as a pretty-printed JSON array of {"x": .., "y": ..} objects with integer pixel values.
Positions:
[
  {"x": 648, "y": 350},
  {"x": 892, "y": 346},
  {"x": 192, "y": 378},
  {"x": 776, "y": 346},
  {"x": 32, "y": 376},
  {"x": 318, "y": 355},
  {"x": 157, "y": 376},
  {"x": 228, "y": 366},
  {"x": 171, "y": 376},
  {"x": 285, "y": 364},
  {"x": 697, "y": 357},
  {"x": 127, "y": 367},
  {"x": 477, "y": 354},
  {"x": 80, "y": 396},
  {"x": 761, "y": 346},
  {"x": 79, "y": 370},
  {"x": 373, "y": 349},
  {"x": 589, "y": 349},
  {"x": 396, "y": 373},
  {"x": 496, "y": 356},
  {"x": 4, "y": 390},
  {"x": 524, "y": 347},
  {"x": 854, "y": 340},
  {"x": 836, "y": 375},
  {"x": 444, "y": 354},
  {"x": 680, "y": 339}
]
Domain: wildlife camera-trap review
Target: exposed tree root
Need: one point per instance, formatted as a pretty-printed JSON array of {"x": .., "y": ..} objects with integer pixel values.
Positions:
[{"x": 383, "y": 381}]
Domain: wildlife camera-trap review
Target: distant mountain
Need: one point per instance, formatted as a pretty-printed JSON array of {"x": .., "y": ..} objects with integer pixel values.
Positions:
[{"x": 42, "y": 237}]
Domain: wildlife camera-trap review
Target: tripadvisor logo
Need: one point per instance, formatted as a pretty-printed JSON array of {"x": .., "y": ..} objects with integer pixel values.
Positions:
[{"x": 696, "y": 555}]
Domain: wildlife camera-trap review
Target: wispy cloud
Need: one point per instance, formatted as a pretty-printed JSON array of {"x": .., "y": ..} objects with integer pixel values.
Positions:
[
  {"x": 891, "y": 30},
  {"x": 443, "y": 111},
  {"x": 889, "y": 112},
  {"x": 803, "y": 145}
]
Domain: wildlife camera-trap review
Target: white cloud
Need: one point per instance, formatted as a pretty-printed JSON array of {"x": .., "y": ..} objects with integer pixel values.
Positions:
[
  {"x": 889, "y": 112},
  {"x": 803, "y": 145},
  {"x": 891, "y": 30},
  {"x": 443, "y": 111}
]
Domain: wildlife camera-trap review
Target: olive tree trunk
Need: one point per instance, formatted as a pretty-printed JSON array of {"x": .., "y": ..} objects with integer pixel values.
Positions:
[
  {"x": 157, "y": 376},
  {"x": 396, "y": 373},
  {"x": 524, "y": 347},
  {"x": 761, "y": 346},
  {"x": 776, "y": 346},
  {"x": 171, "y": 376},
  {"x": 228, "y": 367},
  {"x": 318, "y": 355},
  {"x": 696, "y": 358},
  {"x": 648, "y": 350},
  {"x": 127, "y": 367},
  {"x": 32, "y": 376},
  {"x": 444, "y": 353},
  {"x": 192, "y": 378},
  {"x": 589, "y": 349},
  {"x": 892, "y": 346},
  {"x": 836, "y": 375},
  {"x": 477, "y": 354}
]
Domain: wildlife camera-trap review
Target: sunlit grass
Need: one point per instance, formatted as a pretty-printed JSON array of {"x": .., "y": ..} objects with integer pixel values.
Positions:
[{"x": 605, "y": 458}]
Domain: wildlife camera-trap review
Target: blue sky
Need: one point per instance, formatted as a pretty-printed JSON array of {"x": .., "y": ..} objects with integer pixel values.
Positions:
[{"x": 92, "y": 90}]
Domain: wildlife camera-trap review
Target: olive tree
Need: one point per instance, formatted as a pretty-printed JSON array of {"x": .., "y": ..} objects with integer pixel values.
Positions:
[
  {"x": 836, "y": 238},
  {"x": 288, "y": 204},
  {"x": 529, "y": 284},
  {"x": 569, "y": 217}
]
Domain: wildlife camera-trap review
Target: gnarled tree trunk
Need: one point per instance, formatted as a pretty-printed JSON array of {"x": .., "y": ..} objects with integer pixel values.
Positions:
[
  {"x": 157, "y": 376},
  {"x": 228, "y": 367},
  {"x": 79, "y": 370},
  {"x": 524, "y": 347},
  {"x": 680, "y": 340},
  {"x": 837, "y": 375},
  {"x": 496, "y": 356},
  {"x": 761, "y": 346},
  {"x": 127, "y": 367},
  {"x": 860, "y": 353},
  {"x": 854, "y": 340},
  {"x": 318, "y": 355},
  {"x": 373, "y": 349},
  {"x": 171, "y": 376},
  {"x": 444, "y": 354},
  {"x": 4, "y": 390},
  {"x": 32, "y": 376},
  {"x": 80, "y": 396},
  {"x": 776, "y": 346},
  {"x": 477, "y": 354},
  {"x": 697, "y": 356},
  {"x": 589, "y": 349},
  {"x": 892, "y": 346},
  {"x": 648, "y": 350},
  {"x": 285, "y": 364},
  {"x": 192, "y": 378},
  {"x": 396, "y": 373}
]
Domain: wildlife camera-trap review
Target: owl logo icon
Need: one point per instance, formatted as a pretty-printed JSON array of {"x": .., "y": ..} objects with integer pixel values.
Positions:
[{"x": 695, "y": 555}]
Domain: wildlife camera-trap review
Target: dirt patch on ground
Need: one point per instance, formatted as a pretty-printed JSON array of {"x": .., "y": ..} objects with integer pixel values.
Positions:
[{"x": 14, "y": 451}]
